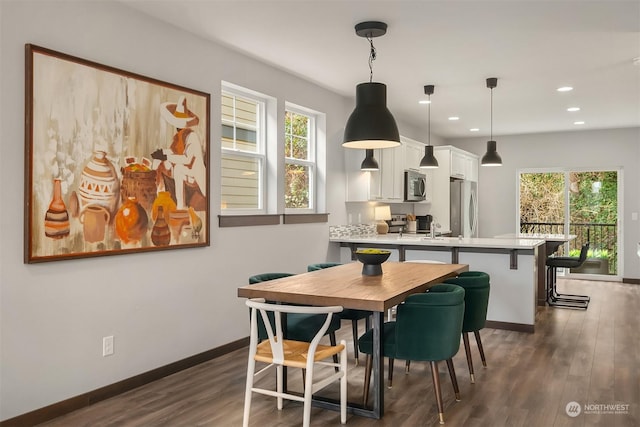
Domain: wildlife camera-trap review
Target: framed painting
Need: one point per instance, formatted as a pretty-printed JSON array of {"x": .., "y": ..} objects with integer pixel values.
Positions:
[{"x": 115, "y": 162}]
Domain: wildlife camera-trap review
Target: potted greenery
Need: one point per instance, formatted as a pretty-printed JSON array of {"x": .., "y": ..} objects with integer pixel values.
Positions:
[{"x": 597, "y": 261}]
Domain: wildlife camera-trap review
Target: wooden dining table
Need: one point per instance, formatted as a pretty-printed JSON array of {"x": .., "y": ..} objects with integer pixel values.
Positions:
[{"x": 346, "y": 286}]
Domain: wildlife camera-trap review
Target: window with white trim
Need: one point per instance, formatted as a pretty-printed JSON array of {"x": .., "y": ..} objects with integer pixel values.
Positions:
[
  {"x": 300, "y": 159},
  {"x": 243, "y": 146}
]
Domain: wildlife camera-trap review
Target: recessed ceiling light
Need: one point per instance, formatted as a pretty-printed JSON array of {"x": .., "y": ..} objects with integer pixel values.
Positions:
[
  {"x": 452, "y": 118},
  {"x": 564, "y": 89},
  {"x": 578, "y": 123},
  {"x": 572, "y": 109},
  {"x": 474, "y": 130},
  {"x": 424, "y": 101}
]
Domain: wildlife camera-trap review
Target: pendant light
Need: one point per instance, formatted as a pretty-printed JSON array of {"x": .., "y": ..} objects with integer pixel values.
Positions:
[
  {"x": 369, "y": 163},
  {"x": 371, "y": 124},
  {"x": 491, "y": 157},
  {"x": 428, "y": 161}
]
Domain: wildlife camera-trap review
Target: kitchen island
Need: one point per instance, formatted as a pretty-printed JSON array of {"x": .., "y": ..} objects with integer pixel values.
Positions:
[{"x": 512, "y": 264}]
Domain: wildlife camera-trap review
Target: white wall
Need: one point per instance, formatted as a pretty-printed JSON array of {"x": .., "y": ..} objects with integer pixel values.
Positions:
[
  {"x": 581, "y": 149},
  {"x": 163, "y": 306}
]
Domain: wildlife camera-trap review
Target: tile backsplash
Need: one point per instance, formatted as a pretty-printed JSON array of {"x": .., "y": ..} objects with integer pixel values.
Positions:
[{"x": 337, "y": 231}]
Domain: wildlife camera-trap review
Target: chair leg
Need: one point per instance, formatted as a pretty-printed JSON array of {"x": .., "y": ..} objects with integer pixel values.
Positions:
[
  {"x": 467, "y": 350},
  {"x": 354, "y": 329},
  {"x": 390, "y": 374},
  {"x": 308, "y": 392},
  {"x": 554, "y": 298},
  {"x": 407, "y": 366},
  {"x": 368, "y": 366},
  {"x": 343, "y": 384},
  {"x": 479, "y": 342},
  {"x": 332, "y": 340},
  {"x": 251, "y": 367},
  {"x": 279, "y": 388},
  {"x": 436, "y": 387},
  {"x": 454, "y": 380}
]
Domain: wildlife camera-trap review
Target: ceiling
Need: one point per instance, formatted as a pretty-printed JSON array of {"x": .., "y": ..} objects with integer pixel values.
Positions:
[{"x": 532, "y": 47}]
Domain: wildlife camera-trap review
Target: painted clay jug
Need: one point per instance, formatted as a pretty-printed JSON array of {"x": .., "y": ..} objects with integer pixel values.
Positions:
[
  {"x": 131, "y": 221},
  {"x": 163, "y": 200},
  {"x": 99, "y": 184},
  {"x": 160, "y": 233},
  {"x": 56, "y": 220},
  {"x": 94, "y": 220}
]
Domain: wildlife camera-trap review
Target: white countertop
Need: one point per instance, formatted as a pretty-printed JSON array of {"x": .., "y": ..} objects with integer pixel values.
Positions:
[
  {"x": 544, "y": 236},
  {"x": 394, "y": 239}
]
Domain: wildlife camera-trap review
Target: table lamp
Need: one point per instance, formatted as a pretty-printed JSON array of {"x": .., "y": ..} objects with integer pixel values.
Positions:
[{"x": 382, "y": 214}]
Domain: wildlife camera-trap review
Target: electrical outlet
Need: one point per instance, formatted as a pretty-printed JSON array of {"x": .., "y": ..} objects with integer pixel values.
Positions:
[{"x": 107, "y": 345}]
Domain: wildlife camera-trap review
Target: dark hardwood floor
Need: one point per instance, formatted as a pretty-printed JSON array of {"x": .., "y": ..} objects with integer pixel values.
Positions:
[{"x": 590, "y": 357}]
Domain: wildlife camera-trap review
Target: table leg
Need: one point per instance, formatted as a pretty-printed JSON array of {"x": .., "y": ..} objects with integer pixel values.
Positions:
[
  {"x": 377, "y": 387},
  {"x": 378, "y": 365}
]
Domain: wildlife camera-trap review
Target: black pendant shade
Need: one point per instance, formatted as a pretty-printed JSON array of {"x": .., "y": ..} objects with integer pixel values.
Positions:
[
  {"x": 491, "y": 157},
  {"x": 371, "y": 124},
  {"x": 428, "y": 161},
  {"x": 369, "y": 163}
]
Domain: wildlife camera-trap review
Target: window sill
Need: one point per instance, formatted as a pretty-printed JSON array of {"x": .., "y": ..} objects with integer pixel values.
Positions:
[
  {"x": 247, "y": 220},
  {"x": 266, "y": 219},
  {"x": 305, "y": 218}
]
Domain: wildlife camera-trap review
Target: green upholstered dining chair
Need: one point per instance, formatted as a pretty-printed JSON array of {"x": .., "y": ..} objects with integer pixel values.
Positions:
[
  {"x": 348, "y": 313},
  {"x": 428, "y": 327},
  {"x": 321, "y": 265},
  {"x": 476, "y": 300}
]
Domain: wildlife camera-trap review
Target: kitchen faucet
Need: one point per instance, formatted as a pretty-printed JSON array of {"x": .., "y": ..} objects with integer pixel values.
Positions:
[{"x": 432, "y": 229}]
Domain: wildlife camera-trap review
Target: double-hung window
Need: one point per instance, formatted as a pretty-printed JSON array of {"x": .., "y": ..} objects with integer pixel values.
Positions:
[
  {"x": 300, "y": 160},
  {"x": 243, "y": 185}
]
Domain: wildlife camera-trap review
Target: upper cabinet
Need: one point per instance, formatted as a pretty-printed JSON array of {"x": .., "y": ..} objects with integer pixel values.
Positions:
[
  {"x": 387, "y": 184},
  {"x": 457, "y": 163},
  {"x": 413, "y": 153}
]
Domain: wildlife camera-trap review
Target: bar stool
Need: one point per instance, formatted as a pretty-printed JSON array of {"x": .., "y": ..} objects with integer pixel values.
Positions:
[{"x": 556, "y": 299}]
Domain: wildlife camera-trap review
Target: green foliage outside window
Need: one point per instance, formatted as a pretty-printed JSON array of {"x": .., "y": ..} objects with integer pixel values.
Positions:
[
  {"x": 297, "y": 176},
  {"x": 593, "y": 208}
]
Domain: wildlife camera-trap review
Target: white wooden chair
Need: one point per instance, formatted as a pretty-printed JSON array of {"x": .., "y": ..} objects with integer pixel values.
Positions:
[{"x": 278, "y": 352}]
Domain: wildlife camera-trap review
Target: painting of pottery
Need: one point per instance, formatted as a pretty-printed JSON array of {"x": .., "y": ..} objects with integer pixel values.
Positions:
[{"x": 108, "y": 152}]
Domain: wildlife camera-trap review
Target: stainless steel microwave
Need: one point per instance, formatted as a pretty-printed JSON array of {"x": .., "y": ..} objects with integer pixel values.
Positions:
[{"x": 415, "y": 186}]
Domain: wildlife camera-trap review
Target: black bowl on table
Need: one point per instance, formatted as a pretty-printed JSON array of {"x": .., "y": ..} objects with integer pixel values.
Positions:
[{"x": 372, "y": 260}]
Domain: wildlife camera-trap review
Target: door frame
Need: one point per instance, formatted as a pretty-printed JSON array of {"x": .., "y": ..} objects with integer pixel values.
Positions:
[{"x": 619, "y": 222}]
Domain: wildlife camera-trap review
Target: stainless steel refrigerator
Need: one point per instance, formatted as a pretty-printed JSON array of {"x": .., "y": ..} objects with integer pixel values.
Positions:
[{"x": 464, "y": 208}]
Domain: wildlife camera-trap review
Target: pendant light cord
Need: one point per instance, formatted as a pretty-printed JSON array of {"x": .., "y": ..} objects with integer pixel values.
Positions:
[
  {"x": 491, "y": 109},
  {"x": 372, "y": 57},
  {"x": 429, "y": 122}
]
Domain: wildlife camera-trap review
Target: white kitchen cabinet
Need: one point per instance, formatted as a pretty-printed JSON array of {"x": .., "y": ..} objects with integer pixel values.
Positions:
[
  {"x": 358, "y": 182},
  {"x": 457, "y": 163},
  {"x": 387, "y": 184},
  {"x": 413, "y": 153}
]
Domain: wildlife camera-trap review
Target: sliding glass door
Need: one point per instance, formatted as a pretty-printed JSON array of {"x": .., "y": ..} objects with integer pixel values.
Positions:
[{"x": 583, "y": 203}]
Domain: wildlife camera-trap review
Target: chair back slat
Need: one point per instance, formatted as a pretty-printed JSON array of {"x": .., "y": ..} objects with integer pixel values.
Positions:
[{"x": 273, "y": 324}]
